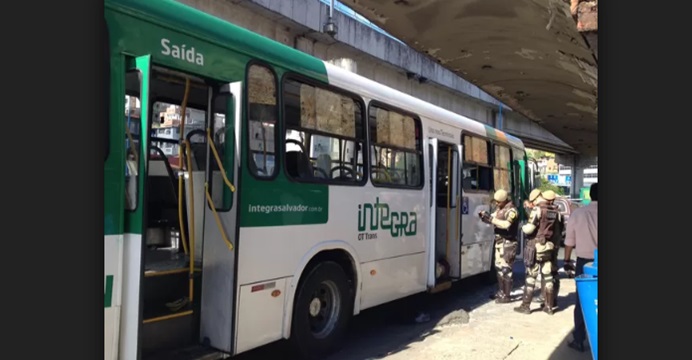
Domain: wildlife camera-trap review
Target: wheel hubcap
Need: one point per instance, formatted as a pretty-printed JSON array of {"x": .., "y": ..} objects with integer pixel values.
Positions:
[
  {"x": 324, "y": 309},
  {"x": 315, "y": 307}
]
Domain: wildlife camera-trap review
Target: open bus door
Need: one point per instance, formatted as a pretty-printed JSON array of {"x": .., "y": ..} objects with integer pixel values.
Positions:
[
  {"x": 174, "y": 202},
  {"x": 445, "y": 214},
  {"x": 220, "y": 219},
  {"x": 134, "y": 238}
]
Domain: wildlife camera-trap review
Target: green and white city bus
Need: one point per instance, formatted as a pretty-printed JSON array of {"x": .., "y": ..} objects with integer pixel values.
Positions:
[{"x": 268, "y": 194}]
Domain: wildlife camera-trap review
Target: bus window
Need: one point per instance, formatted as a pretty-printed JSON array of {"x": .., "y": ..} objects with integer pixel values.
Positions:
[
  {"x": 222, "y": 135},
  {"x": 519, "y": 181},
  {"x": 395, "y": 148},
  {"x": 133, "y": 108},
  {"x": 478, "y": 174},
  {"x": 324, "y": 135},
  {"x": 262, "y": 114},
  {"x": 165, "y": 133},
  {"x": 501, "y": 175}
]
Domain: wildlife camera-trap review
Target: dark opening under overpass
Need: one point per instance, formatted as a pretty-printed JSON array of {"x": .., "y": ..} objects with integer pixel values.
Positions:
[{"x": 537, "y": 56}]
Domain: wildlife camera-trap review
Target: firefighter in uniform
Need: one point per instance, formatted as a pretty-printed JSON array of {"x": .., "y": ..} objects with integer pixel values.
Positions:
[
  {"x": 505, "y": 220},
  {"x": 538, "y": 253},
  {"x": 528, "y": 207},
  {"x": 528, "y": 204},
  {"x": 549, "y": 197}
]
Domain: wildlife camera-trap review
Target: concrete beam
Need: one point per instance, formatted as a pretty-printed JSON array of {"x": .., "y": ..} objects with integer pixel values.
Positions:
[
  {"x": 576, "y": 160},
  {"x": 367, "y": 52},
  {"x": 361, "y": 37},
  {"x": 527, "y": 53}
]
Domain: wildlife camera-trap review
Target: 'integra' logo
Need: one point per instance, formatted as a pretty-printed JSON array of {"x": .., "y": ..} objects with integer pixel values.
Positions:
[
  {"x": 377, "y": 216},
  {"x": 182, "y": 52}
]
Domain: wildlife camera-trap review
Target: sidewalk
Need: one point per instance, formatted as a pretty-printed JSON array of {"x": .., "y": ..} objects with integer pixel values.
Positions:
[{"x": 495, "y": 331}]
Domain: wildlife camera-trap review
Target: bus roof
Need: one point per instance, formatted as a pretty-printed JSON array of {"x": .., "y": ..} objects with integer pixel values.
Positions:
[
  {"x": 177, "y": 16},
  {"x": 375, "y": 90}
]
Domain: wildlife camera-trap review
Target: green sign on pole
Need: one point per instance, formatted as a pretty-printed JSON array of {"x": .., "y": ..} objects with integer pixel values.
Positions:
[{"x": 585, "y": 196}]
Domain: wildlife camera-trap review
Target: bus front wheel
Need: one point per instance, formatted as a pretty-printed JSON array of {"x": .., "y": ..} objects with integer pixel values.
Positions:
[{"x": 321, "y": 311}]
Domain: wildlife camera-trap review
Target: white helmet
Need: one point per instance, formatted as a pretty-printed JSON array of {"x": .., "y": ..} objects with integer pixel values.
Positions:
[
  {"x": 500, "y": 195},
  {"x": 548, "y": 195}
]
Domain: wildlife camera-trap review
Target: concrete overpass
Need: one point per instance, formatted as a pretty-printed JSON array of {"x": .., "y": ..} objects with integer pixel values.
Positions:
[
  {"x": 372, "y": 53},
  {"x": 530, "y": 54}
]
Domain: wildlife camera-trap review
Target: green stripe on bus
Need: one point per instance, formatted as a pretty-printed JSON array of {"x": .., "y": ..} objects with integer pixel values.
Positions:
[
  {"x": 108, "y": 295},
  {"x": 490, "y": 132}
]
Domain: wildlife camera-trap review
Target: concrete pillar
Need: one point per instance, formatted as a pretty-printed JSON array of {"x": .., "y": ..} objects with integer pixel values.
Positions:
[
  {"x": 577, "y": 177},
  {"x": 497, "y": 118},
  {"x": 580, "y": 164}
]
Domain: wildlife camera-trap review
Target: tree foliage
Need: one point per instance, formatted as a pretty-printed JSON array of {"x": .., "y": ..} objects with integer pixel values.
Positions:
[{"x": 544, "y": 184}]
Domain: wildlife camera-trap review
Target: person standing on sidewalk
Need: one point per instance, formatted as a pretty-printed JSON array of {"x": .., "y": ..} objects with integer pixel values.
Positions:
[
  {"x": 582, "y": 235},
  {"x": 506, "y": 225}
]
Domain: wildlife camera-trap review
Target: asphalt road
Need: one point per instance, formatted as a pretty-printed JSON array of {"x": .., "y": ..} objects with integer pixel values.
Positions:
[{"x": 464, "y": 324}]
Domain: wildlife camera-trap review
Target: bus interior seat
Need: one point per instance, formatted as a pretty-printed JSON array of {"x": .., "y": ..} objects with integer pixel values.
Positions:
[
  {"x": 468, "y": 183},
  {"x": 199, "y": 154},
  {"x": 298, "y": 165},
  {"x": 162, "y": 197},
  {"x": 324, "y": 162},
  {"x": 255, "y": 169}
]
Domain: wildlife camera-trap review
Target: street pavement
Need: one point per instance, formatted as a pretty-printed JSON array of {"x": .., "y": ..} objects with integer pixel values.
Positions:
[{"x": 464, "y": 324}]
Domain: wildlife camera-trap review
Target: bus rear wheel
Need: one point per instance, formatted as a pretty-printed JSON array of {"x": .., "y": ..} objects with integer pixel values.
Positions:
[{"x": 321, "y": 311}]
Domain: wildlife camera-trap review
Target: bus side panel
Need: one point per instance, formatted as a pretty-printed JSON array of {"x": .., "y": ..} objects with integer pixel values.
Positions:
[
  {"x": 113, "y": 257},
  {"x": 269, "y": 253},
  {"x": 260, "y": 321},
  {"x": 113, "y": 205},
  {"x": 389, "y": 279},
  {"x": 129, "y": 314}
]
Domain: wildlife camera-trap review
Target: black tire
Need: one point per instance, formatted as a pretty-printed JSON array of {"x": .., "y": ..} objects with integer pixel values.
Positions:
[{"x": 310, "y": 337}]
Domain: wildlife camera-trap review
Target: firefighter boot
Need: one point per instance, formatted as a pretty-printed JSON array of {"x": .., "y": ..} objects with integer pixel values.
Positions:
[
  {"x": 541, "y": 296},
  {"x": 549, "y": 301},
  {"x": 556, "y": 289},
  {"x": 525, "y": 307},
  {"x": 498, "y": 293},
  {"x": 506, "y": 287},
  {"x": 509, "y": 283}
]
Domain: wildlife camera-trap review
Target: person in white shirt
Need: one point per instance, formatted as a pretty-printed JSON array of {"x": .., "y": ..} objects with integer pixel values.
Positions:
[{"x": 582, "y": 235}]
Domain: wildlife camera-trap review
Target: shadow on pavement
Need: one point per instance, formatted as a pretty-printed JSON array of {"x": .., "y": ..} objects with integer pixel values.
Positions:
[
  {"x": 564, "y": 352},
  {"x": 390, "y": 328}
]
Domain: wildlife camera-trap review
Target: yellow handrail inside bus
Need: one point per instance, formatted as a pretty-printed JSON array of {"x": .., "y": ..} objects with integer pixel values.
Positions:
[
  {"x": 183, "y": 111},
  {"x": 208, "y": 195},
  {"x": 133, "y": 148},
  {"x": 218, "y": 162},
  {"x": 216, "y": 217},
  {"x": 188, "y": 150}
]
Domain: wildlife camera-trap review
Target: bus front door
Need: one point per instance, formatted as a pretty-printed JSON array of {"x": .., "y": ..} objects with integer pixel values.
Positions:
[{"x": 220, "y": 218}]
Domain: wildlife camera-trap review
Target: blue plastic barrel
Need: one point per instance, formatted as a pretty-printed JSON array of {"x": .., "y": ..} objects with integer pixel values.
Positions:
[{"x": 587, "y": 289}]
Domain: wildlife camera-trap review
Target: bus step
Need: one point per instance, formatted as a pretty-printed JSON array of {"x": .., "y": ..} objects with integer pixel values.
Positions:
[
  {"x": 150, "y": 273},
  {"x": 162, "y": 312},
  {"x": 196, "y": 352},
  {"x": 445, "y": 285}
]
